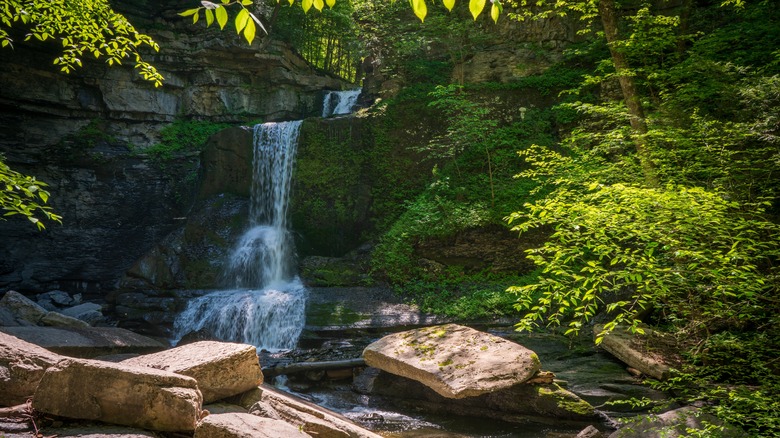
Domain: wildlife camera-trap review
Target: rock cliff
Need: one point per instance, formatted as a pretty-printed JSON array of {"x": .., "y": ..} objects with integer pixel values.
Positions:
[{"x": 85, "y": 133}]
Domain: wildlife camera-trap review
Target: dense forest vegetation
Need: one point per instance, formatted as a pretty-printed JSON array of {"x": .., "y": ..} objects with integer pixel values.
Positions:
[
  {"x": 650, "y": 192},
  {"x": 680, "y": 233}
]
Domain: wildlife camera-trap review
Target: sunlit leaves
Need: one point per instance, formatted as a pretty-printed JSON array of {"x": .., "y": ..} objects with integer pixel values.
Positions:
[
  {"x": 319, "y": 4},
  {"x": 476, "y": 7},
  {"x": 85, "y": 28},
  {"x": 449, "y": 4},
  {"x": 222, "y": 17},
  {"x": 241, "y": 20},
  {"x": 495, "y": 10},
  {"x": 24, "y": 195},
  {"x": 420, "y": 8},
  {"x": 306, "y": 5},
  {"x": 245, "y": 22}
]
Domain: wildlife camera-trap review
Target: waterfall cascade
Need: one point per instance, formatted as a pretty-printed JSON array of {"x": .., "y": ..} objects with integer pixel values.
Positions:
[
  {"x": 265, "y": 303},
  {"x": 265, "y": 306},
  {"x": 338, "y": 103}
]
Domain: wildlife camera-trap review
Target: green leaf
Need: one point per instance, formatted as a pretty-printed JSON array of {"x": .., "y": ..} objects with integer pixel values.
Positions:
[
  {"x": 247, "y": 2},
  {"x": 476, "y": 7},
  {"x": 449, "y": 4},
  {"x": 330, "y": 3},
  {"x": 306, "y": 5},
  {"x": 241, "y": 19},
  {"x": 209, "y": 17},
  {"x": 195, "y": 18},
  {"x": 319, "y": 4},
  {"x": 222, "y": 17},
  {"x": 420, "y": 9},
  {"x": 249, "y": 31},
  {"x": 189, "y": 12}
]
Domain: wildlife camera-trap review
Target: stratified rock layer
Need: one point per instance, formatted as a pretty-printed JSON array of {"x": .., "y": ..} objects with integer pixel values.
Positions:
[
  {"x": 85, "y": 342},
  {"x": 453, "y": 360},
  {"x": 221, "y": 369},
  {"x": 119, "y": 394}
]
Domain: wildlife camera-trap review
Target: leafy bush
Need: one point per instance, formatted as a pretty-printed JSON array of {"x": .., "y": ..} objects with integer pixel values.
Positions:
[{"x": 184, "y": 135}]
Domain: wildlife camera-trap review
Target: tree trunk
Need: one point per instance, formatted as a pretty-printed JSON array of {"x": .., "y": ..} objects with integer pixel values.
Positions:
[{"x": 630, "y": 94}]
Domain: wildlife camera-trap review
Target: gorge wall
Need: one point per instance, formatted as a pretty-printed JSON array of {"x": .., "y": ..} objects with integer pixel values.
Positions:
[{"x": 84, "y": 134}]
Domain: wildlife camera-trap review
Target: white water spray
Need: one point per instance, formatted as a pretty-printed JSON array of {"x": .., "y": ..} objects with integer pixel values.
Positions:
[{"x": 266, "y": 305}]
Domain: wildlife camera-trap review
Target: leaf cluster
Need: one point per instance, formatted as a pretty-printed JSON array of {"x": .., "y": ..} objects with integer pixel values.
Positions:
[
  {"x": 88, "y": 28},
  {"x": 24, "y": 195}
]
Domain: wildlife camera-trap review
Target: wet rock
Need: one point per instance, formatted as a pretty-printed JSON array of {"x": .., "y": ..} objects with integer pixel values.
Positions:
[
  {"x": 85, "y": 342},
  {"x": 238, "y": 425},
  {"x": 119, "y": 394},
  {"x": 453, "y": 360},
  {"x": 22, "y": 366},
  {"x": 221, "y": 369},
  {"x": 53, "y": 300}
]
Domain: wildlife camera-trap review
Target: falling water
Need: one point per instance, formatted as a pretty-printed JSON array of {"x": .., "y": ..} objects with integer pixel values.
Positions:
[
  {"x": 265, "y": 305},
  {"x": 339, "y": 102}
]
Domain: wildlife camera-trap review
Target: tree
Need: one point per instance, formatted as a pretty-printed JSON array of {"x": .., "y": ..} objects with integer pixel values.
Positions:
[{"x": 22, "y": 194}]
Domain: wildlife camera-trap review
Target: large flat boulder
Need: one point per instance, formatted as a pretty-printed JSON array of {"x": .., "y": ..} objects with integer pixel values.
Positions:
[
  {"x": 22, "y": 366},
  {"x": 85, "y": 342},
  {"x": 222, "y": 369},
  {"x": 238, "y": 425},
  {"x": 453, "y": 360},
  {"x": 119, "y": 394}
]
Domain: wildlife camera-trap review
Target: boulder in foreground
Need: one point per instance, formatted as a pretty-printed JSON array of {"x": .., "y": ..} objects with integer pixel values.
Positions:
[
  {"x": 222, "y": 369},
  {"x": 237, "y": 425},
  {"x": 119, "y": 394},
  {"x": 22, "y": 366},
  {"x": 453, "y": 360}
]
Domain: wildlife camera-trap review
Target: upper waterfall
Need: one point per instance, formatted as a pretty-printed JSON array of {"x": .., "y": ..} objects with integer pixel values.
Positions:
[{"x": 338, "y": 103}]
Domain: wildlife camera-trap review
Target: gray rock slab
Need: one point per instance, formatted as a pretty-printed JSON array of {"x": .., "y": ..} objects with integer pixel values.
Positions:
[
  {"x": 99, "y": 431},
  {"x": 238, "y": 425},
  {"x": 22, "y": 366},
  {"x": 453, "y": 360},
  {"x": 222, "y": 369},
  {"x": 25, "y": 311},
  {"x": 89, "y": 312},
  {"x": 85, "y": 342},
  {"x": 119, "y": 394}
]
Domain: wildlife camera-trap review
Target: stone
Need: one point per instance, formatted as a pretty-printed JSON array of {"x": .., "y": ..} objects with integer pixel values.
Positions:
[
  {"x": 624, "y": 346},
  {"x": 453, "y": 360},
  {"x": 238, "y": 425},
  {"x": 222, "y": 369},
  {"x": 590, "y": 432},
  {"x": 270, "y": 402},
  {"x": 56, "y": 319},
  {"x": 120, "y": 394},
  {"x": 22, "y": 366},
  {"x": 99, "y": 431},
  {"x": 547, "y": 404},
  {"x": 85, "y": 342},
  {"x": 57, "y": 297},
  {"x": 25, "y": 311},
  {"x": 89, "y": 312},
  {"x": 676, "y": 423}
]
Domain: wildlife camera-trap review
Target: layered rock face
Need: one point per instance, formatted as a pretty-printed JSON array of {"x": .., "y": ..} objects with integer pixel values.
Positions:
[{"x": 84, "y": 135}]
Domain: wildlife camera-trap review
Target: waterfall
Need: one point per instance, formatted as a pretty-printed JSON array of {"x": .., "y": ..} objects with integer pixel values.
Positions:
[
  {"x": 265, "y": 306},
  {"x": 339, "y": 102}
]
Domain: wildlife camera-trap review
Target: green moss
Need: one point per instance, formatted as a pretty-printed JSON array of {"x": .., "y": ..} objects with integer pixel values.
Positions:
[{"x": 332, "y": 314}]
